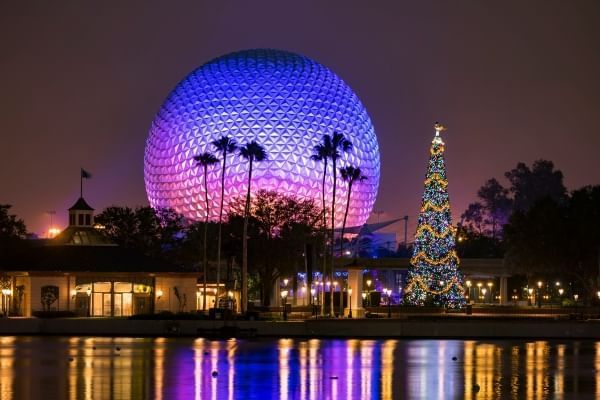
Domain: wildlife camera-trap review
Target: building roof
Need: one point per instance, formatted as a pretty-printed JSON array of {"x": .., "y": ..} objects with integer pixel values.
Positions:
[
  {"x": 81, "y": 236},
  {"x": 81, "y": 205},
  {"x": 367, "y": 229},
  {"x": 68, "y": 258}
]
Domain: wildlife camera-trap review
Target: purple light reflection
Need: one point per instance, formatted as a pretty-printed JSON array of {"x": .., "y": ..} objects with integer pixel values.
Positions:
[{"x": 180, "y": 368}]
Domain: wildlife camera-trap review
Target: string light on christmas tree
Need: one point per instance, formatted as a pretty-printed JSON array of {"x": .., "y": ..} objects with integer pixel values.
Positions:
[{"x": 433, "y": 277}]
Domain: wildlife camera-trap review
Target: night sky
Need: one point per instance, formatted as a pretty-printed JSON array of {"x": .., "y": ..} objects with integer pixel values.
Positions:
[{"x": 80, "y": 83}]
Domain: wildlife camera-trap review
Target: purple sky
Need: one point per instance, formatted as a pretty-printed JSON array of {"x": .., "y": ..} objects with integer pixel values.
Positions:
[{"x": 513, "y": 81}]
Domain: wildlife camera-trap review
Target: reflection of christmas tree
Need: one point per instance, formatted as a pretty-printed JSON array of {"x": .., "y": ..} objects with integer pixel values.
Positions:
[{"x": 434, "y": 277}]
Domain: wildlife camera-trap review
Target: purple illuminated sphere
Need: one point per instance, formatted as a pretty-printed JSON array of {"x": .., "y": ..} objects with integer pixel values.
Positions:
[{"x": 284, "y": 101}]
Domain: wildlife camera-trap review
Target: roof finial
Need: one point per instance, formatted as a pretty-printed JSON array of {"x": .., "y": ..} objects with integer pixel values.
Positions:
[
  {"x": 438, "y": 128},
  {"x": 437, "y": 138}
]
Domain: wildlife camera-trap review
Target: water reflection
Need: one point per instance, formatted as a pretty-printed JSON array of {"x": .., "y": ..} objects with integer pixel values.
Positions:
[{"x": 286, "y": 369}]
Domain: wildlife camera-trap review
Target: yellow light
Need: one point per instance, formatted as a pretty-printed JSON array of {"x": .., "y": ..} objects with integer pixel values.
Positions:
[
  {"x": 369, "y": 283},
  {"x": 540, "y": 284},
  {"x": 468, "y": 284},
  {"x": 52, "y": 232},
  {"x": 159, "y": 293}
]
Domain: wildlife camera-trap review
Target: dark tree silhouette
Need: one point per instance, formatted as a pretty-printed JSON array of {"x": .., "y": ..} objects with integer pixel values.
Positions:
[
  {"x": 251, "y": 152},
  {"x": 529, "y": 186},
  {"x": 338, "y": 142},
  {"x": 350, "y": 175},
  {"x": 225, "y": 146},
  {"x": 11, "y": 227},
  {"x": 321, "y": 152},
  {"x": 156, "y": 233},
  {"x": 281, "y": 226},
  {"x": 204, "y": 161}
]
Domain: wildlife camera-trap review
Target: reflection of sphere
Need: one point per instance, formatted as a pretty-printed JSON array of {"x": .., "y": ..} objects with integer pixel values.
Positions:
[{"x": 284, "y": 101}]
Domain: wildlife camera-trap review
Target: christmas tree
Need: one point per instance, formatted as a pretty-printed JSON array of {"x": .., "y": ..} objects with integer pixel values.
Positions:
[{"x": 434, "y": 278}]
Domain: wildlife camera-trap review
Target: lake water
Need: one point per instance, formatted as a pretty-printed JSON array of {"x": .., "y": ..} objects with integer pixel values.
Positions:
[{"x": 182, "y": 368}]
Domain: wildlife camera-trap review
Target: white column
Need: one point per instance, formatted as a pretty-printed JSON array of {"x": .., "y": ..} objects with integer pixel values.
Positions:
[{"x": 355, "y": 281}]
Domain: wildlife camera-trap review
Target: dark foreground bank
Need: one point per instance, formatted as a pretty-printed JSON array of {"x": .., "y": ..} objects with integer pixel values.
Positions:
[{"x": 425, "y": 327}]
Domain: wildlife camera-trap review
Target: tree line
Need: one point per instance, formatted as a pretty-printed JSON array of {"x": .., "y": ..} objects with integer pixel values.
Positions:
[{"x": 540, "y": 229}]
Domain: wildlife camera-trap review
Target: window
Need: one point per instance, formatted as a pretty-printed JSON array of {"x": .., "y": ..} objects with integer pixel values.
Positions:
[
  {"x": 49, "y": 297},
  {"x": 88, "y": 219},
  {"x": 80, "y": 219}
]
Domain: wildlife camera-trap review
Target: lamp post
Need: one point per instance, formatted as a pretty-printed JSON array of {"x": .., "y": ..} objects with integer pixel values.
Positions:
[
  {"x": 484, "y": 291},
  {"x": 89, "y": 300},
  {"x": 539, "y": 294},
  {"x": 389, "y": 300},
  {"x": 284, "y": 294},
  {"x": 490, "y": 285},
  {"x": 321, "y": 298},
  {"x": 364, "y": 297},
  {"x": 469, "y": 284},
  {"x": 312, "y": 301},
  {"x": 479, "y": 285},
  {"x": 328, "y": 284},
  {"x": 350, "y": 302},
  {"x": 369, "y": 291},
  {"x": 560, "y": 293},
  {"x": 530, "y": 291},
  {"x": 576, "y": 297}
]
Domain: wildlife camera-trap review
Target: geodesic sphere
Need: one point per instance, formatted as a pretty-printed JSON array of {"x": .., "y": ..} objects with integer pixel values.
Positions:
[{"x": 284, "y": 101}]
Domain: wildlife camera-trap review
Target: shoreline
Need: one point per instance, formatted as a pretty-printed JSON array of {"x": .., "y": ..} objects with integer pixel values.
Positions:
[{"x": 427, "y": 327}]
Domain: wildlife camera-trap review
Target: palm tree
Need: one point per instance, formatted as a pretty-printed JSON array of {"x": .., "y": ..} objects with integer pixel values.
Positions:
[
  {"x": 338, "y": 142},
  {"x": 251, "y": 152},
  {"x": 321, "y": 152},
  {"x": 349, "y": 174},
  {"x": 205, "y": 160},
  {"x": 226, "y": 146}
]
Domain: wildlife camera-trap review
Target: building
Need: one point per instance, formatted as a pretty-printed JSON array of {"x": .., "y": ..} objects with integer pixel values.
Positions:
[{"x": 82, "y": 272}]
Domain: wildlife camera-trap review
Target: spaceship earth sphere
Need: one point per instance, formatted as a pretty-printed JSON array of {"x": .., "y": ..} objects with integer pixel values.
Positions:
[{"x": 284, "y": 101}]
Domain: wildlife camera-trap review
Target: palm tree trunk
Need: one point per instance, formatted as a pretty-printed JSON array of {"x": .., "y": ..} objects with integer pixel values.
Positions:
[
  {"x": 331, "y": 305},
  {"x": 204, "y": 256},
  {"x": 345, "y": 217},
  {"x": 324, "y": 237},
  {"x": 245, "y": 246},
  {"x": 221, "y": 224}
]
